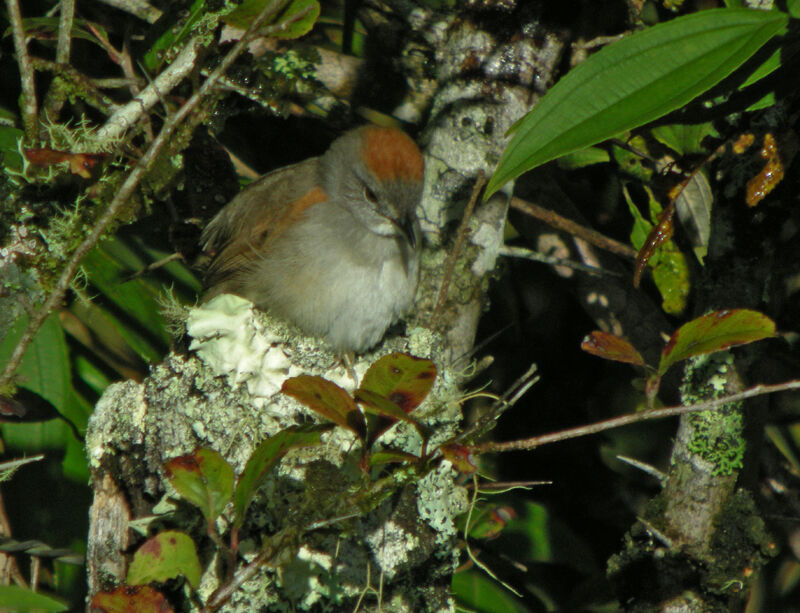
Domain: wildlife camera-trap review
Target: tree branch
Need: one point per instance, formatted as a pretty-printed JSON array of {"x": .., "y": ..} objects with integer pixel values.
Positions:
[
  {"x": 30, "y": 111},
  {"x": 461, "y": 238},
  {"x": 593, "y": 237},
  {"x": 66, "y": 15},
  {"x": 529, "y": 444}
]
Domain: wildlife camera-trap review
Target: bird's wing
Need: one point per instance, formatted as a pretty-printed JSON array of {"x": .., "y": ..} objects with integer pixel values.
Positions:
[{"x": 261, "y": 211}]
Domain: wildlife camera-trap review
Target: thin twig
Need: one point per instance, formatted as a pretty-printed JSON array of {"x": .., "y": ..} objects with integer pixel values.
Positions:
[
  {"x": 140, "y": 8},
  {"x": 169, "y": 78},
  {"x": 461, "y": 238},
  {"x": 124, "y": 61},
  {"x": 65, "y": 17},
  {"x": 8, "y": 564},
  {"x": 30, "y": 110},
  {"x": 501, "y": 487},
  {"x": 84, "y": 87},
  {"x": 646, "y": 468},
  {"x": 624, "y": 420},
  {"x": 126, "y": 191},
  {"x": 502, "y": 404},
  {"x": 536, "y": 256},
  {"x": 277, "y": 543},
  {"x": 555, "y": 220}
]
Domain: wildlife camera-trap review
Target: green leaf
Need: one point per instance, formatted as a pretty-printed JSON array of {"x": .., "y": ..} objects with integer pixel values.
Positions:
[
  {"x": 327, "y": 399},
  {"x": 783, "y": 56},
  {"x": 634, "y": 81},
  {"x": 391, "y": 456},
  {"x": 248, "y": 10},
  {"x": 400, "y": 378},
  {"x": 44, "y": 369},
  {"x": 91, "y": 374},
  {"x": 583, "y": 158},
  {"x": 47, "y": 28},
  {"x": 540, "y": 536},
  {"x": 21, "y": 600},
  {"x": 157, "y": 55},
  {"x": 165, "y": 556},
  {"x": 631, "y": 162},
  {"x": 683, "y": 138},
  {"x": 715, "y": 331},
  {"x": 476, "y": 591},
  {"x": 669, "y": 267},
  {"x": 108, "y": 266},
  {"x": 671, "y": 276},
  {"x": 264, "y": 458},
  {"x": 302, "y": 25},
  {"x": 127, "y": 599},
  {"x": 203, "y": 478},
  {"x": 9, "y": 154}
]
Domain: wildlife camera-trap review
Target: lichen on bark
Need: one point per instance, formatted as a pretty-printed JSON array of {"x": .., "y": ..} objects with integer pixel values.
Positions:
[{"x": 396, "y": 525}]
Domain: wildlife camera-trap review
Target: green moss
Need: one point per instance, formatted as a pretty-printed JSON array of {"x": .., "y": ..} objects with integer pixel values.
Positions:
[{"x": 740, "y": 545}]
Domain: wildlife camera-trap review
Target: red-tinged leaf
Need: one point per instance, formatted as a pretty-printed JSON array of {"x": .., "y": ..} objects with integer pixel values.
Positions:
[
  {"x": 384, "y": 414},
  {"x": 611, "y": 347},
  {"x": 659, "y": 234},
  {"x": 375, "y": 404},
  {"x": 203, "y": 478},
  {"x": 264, "y": 458},
  {"x": 460, "y": 456},
  {"x": 401, "y": 378},
  {"x": 490, "y": 523},
  {"x": 391, "y": 456},
  {"x": 131, "y": 599},
  {"x": 80, "y": 164},
  {"x": 327, "y": 399},
  {"x": 715, "y": 331},
  {"x": 165, "y": 556}
]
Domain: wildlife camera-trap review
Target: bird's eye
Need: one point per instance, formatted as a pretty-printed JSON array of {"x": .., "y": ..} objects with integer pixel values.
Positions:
[{"x": 370, "y": 196}]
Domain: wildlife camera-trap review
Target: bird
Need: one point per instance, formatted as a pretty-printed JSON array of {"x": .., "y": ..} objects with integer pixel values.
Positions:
[{"x": 330, "y": 244}]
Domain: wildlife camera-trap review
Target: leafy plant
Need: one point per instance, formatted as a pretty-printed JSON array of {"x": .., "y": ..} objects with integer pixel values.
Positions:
[
  {"x": 634, "y": 81},
  {"x": 708, "y": 333}
]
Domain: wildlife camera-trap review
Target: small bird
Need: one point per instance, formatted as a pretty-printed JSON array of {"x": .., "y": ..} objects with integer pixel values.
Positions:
[{"x": 330, "y": 244}]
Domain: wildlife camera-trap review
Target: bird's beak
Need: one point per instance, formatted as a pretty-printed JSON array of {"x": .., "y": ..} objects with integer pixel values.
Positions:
[{"x": 407, "y": 225}]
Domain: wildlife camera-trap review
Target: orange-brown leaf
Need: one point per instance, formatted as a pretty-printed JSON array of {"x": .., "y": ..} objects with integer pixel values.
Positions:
[
  {"x": 660, "y": 233},
  {"x": 611, "y": 347}
]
